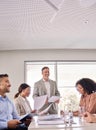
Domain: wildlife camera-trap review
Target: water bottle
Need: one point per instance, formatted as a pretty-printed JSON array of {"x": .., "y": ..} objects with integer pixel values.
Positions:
[{"x": 70, "y": 118}]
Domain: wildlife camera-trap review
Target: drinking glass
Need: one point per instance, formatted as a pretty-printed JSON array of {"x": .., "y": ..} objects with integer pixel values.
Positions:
[
  {"x": 68, "y": 115},
  {"x": 81, "y": 112}
]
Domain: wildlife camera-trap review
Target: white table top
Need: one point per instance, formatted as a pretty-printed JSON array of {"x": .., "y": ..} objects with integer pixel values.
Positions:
[{"x": 78, "y": 125}]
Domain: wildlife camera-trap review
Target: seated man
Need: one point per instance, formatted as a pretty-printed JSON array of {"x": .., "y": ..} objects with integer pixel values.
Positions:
[{"x": 9, "y": 120}]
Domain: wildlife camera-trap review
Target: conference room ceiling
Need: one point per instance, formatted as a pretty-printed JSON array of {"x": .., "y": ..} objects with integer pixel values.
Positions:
[{"x": 47, "y": 24}]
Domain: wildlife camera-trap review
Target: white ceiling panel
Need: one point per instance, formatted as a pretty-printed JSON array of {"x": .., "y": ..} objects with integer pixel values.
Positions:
[{"x": 47, "y": 24}]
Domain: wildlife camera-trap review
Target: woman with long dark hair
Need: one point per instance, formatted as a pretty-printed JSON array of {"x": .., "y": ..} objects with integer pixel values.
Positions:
[
  {"x": 87, "y": 88},
  {"x": 20, "y": 99}
]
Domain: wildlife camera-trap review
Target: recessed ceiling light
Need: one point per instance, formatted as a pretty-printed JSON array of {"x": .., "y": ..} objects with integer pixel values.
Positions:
[{"x": 86, "y": 21}]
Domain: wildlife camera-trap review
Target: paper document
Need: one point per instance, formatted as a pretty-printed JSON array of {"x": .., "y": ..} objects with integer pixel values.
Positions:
[
  {"x": 53, "y": 98},
  {"x": 51, "y": 122},
  {"x": 39, "y": 102},
  {"x": 45, "y": 110},
  {"x": 49, "y": 117}
]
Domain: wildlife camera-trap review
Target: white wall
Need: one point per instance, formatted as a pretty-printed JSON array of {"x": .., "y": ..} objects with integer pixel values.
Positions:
[{"x": 12, "y": 62}]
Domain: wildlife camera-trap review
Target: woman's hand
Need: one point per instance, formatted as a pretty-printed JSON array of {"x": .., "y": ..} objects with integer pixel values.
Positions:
[{"x": 89, "y": 117}]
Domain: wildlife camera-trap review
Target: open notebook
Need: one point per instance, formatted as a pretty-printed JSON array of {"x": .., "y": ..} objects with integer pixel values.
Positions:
[{"x": 26, "y": 116}]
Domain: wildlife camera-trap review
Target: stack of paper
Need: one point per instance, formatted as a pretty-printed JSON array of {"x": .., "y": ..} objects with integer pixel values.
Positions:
[
  {"x": 52, "y": 119},
  {"x": 49, "y": 117},
  {"x": 51, "y": 122}
]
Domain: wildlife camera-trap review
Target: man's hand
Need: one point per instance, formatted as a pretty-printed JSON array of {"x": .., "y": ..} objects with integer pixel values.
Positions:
[
  {"x": 46, "y": 101},
  {"x": 13, "y": 123},
  {"x": 28, "y": 121},
  {"x": 33, "y": 111},
  {"x": 57, "y": 101}
]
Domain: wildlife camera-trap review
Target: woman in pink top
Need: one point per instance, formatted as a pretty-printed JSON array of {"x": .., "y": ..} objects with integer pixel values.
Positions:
[{"x": 87, "y": 89}]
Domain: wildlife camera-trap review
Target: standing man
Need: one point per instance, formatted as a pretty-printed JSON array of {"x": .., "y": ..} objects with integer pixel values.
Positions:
[
  {"x": 9, "y": 120},
  {"x": 48, "y": 87}
]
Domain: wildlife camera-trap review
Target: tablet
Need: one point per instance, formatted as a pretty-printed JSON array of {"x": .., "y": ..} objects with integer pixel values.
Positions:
[{"x": 27, "y": 116}]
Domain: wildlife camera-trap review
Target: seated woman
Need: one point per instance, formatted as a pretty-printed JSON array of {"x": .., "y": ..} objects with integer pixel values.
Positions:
[
  {"x": 20, "y": 100},
  {"x": 87, "y": 89}
]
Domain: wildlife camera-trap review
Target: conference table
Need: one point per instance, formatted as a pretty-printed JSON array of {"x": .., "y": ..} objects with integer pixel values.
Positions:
[{"x": 78, "y": 124}]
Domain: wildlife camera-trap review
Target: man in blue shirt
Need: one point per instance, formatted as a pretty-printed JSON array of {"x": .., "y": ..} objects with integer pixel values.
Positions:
[{"x": 9, "y": 120}]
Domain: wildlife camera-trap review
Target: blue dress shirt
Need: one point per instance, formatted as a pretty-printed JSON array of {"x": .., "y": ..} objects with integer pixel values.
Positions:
[{"x": 7, "y": 112}]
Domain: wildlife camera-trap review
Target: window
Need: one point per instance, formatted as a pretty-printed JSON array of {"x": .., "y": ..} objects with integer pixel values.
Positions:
[{"x": 66, "y": 73}]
